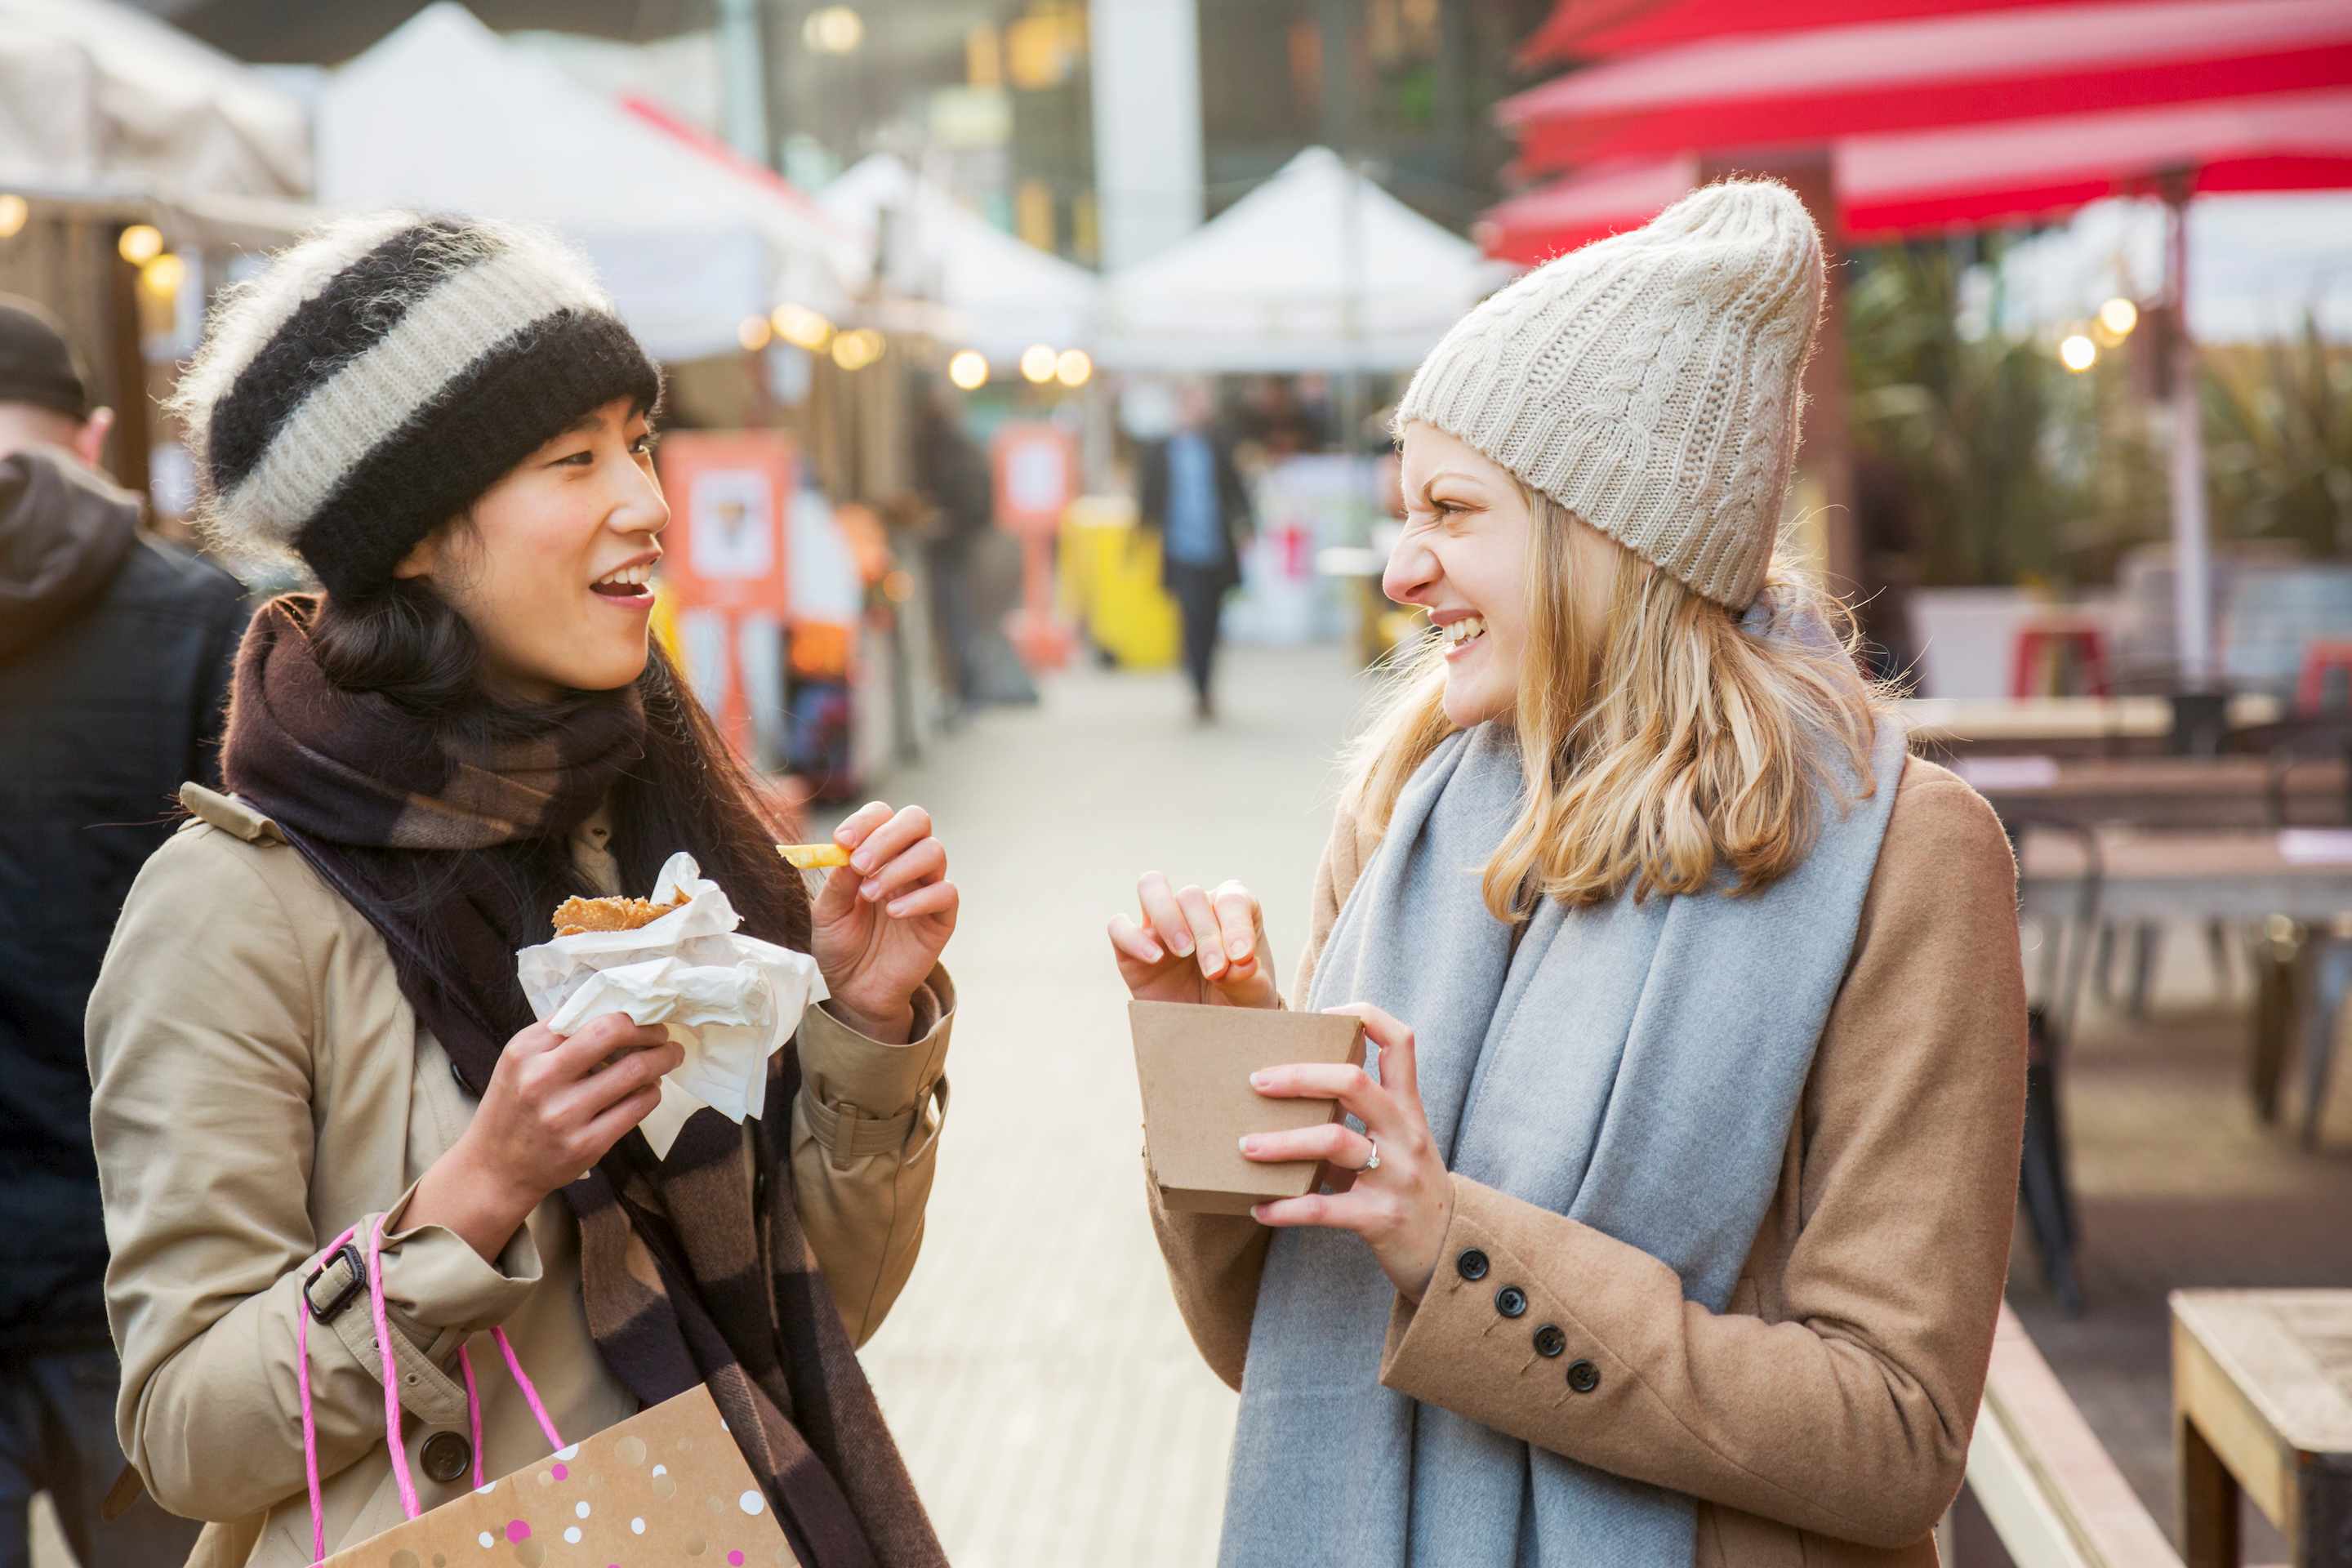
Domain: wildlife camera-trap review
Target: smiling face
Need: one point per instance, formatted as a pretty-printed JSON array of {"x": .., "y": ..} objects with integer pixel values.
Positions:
[
  {"x": 1470, "y": 556},
  {"x": 550, "y": 567}
]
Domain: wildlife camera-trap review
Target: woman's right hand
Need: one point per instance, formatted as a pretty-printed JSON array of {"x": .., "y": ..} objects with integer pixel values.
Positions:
[
  {"x": 555, "y": 1104},
  {"x": 1195, "y": 946}
]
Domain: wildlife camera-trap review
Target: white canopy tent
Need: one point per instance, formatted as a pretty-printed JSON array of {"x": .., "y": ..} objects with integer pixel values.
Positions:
[
  {"x": 443, "y": 115},
  {"x": 985, "y": 289},
  {"x": 98, "y": 98},
  {"x": 1316, "y": 270}
]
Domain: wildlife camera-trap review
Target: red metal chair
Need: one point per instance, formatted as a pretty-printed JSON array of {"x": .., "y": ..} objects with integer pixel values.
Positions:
[
  {"x": 2037, "y": 639},
  {"x": 2320, "y": 658}
]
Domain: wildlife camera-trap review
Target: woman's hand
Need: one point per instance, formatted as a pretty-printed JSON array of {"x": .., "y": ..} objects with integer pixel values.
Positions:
[
  {"x": 1195, "y": 946},
  {"x": 555, "y": 1104},
  {"x": 882, "y": 919},
  {"x": 1403, "y": 1209}
]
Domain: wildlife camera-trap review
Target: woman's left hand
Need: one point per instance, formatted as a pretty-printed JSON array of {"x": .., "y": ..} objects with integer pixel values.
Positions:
[
  {"x": 881, "y": 920},
  {"x": 1403, "y": 1209}
]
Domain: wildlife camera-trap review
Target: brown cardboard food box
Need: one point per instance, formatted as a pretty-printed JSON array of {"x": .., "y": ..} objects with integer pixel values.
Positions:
[{"x": 1195, "y": 1064}]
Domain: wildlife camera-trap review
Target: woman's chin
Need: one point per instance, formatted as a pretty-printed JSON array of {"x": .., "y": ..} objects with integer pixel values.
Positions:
[{"x": 1467, "y": 704}]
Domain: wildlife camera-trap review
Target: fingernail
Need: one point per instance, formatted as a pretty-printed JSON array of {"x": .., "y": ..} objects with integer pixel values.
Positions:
[
  {"x": 1183, "y": 948},
  {"x": 870, "y": 891},
  {"x": 1154, "y": 954},
  {"x": 1260, "y": 1079},
  {"x": 861, "y": 864},
  {"x": 1249, "y": 1145},
  {"x": 1240, "y": 953},
  {"x": 898, "y": 907}
]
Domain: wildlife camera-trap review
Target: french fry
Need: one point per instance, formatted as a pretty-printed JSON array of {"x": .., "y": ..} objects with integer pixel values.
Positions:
[{"x": 814, "y": 857}]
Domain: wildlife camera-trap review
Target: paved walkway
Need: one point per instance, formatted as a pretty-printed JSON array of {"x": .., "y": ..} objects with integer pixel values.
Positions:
[{"x": 1051, "y": 1406}]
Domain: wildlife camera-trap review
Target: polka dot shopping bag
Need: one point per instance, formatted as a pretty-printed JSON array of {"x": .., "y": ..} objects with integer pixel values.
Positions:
[{"x": 665, "y": 1489}]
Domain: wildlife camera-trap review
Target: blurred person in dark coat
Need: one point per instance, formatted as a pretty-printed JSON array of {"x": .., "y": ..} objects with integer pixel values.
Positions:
[
  {"x": 1192, "y": 498},
  {"x": 115, "y": 651},
  {"x": 952, "y": 473}
]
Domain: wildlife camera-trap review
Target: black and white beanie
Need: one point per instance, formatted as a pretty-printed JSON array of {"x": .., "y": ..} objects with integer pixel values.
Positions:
[{"x": 382, "y": 374}]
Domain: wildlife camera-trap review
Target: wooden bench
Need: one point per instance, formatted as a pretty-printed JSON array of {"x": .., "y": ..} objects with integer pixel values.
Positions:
[{"x": 2261, "y": 1401}]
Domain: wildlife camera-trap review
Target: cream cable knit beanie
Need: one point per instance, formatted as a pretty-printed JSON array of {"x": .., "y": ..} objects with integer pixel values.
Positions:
[{"x": 1648, "y": 382}]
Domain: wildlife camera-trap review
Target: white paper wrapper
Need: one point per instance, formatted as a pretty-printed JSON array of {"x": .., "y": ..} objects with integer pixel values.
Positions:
[{"x": 731, "y": 1001}]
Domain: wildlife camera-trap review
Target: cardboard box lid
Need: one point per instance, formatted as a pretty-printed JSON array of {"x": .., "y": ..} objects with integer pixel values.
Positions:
[{"x": 1194, "y": 1065}]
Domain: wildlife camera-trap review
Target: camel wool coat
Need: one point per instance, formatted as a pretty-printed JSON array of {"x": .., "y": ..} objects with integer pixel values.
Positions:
[
  {"x": 1822, "y": 1421},
  {"x": 261, "y": 1083}
]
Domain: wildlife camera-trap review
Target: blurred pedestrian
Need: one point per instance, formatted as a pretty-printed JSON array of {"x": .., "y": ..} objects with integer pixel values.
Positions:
[
  {"x": 1676, "y": 1196},
  {"x": 315, "y": 1068},
  {"x": 1194, "y": 502},
  {"x": 952, "y": 473},
  {"x": 114, "y": 661}
]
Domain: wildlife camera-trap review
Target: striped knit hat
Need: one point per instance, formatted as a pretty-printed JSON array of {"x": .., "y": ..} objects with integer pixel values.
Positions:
[
  {"x": 1649, "y": 382},
  {"x": 383, "y": 373}
]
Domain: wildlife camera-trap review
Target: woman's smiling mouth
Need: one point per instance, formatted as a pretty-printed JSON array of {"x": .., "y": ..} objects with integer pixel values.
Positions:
[{"x": 1458, "y": 635}]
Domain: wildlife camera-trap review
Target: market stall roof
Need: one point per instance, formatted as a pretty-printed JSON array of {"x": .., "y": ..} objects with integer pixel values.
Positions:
[
  {"x": 1814, "y": 87},
  {"x": 992, "y": 291},
  {"x": 1898, "y": 186},
  {"x": 97, "y": 97},
  {"x": 443, "y": 115},
  {"x": 1594, "y": 28},
  {"x": 1316, "y": 270}
]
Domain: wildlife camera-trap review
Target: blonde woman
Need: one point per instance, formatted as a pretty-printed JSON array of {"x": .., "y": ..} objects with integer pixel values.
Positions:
[{"x": 1683, "y": 1174}]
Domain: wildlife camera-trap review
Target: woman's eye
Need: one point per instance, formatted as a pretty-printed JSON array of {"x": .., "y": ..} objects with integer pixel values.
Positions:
[
  {"x": 644, "y": 445},
  {"x": 576, "y": 460}
]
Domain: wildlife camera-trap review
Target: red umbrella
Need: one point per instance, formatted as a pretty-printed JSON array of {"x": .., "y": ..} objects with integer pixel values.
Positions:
[
  {"x": 1897, "y": 186},
  {"x": 1594, "y": 28},
  {"x": 1815, "y": 86}
]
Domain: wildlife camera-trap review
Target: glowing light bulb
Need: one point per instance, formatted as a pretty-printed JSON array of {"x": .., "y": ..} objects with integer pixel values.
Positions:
[
  {"x": 14, "y": 211},
  {"x": 141, "y": 244},
  {"x": 1038, "y": 362},
  {"x": 2078, "y": 352},
  {"x": 752, "y": 333},
  {"x": 969, "y": 370},
  {"x": 2119, "y": 316},
  {"x": 1073, "y": 367},
  {"x": 163, "y": 274}
]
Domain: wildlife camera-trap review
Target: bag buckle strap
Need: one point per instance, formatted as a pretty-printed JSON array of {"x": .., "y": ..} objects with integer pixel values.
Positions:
[{"x": 348, "y": 1253}]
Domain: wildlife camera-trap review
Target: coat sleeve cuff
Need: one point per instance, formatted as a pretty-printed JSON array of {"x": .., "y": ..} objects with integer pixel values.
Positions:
[
  {"x": 437, "y": 1291},
  {"x": 1462, "y": 1347},
  {"x": 856, "y": 1088}
]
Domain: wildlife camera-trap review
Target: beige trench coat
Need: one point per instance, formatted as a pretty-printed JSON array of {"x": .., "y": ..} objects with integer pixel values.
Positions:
[
  {"x": 1822, "y": 1421},
  {"x": 260, "y": 1084}
]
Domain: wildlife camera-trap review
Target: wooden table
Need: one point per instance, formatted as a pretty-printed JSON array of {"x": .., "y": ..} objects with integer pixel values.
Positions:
[
  {"x": 2165, "y": 875},
  {"x": 2261, "y": 1400},
  {"x": 2073, "y": 726},
  {"x": 2230, "y": 792}
]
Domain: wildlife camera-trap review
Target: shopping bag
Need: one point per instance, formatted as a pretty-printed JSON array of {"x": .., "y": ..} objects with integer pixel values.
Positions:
[{"x": 666, "y": 1487}]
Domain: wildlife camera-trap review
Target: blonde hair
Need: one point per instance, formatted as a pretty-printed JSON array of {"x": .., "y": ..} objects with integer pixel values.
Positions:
[{"x": 1659, "y": 746}]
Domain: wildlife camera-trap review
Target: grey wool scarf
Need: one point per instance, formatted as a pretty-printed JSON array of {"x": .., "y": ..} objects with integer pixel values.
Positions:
[{"x": 1632, "y": 1065}]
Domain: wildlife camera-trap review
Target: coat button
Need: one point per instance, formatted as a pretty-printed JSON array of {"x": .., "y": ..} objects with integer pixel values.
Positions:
[
  {"x": 446, "y": 1456},
  {"x": 1583, "y": 1376},
  {"x": 1511, "y": 1301},
  {"x": 1549, "y": 1341},
  {"x": 1472, "y": 1265}
]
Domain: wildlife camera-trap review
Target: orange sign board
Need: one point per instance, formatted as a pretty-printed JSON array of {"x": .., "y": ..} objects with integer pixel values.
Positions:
[
  {"x": 1036, "y": 477},
  {"x": 726, "y": 562}
]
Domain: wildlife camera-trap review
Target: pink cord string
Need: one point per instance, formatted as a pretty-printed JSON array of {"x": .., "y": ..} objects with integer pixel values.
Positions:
[
  {"x": 531, "y": 1394},
  {"x": 391, "y": 1376},
  {"x": 473, "y": 1413},
  {"x": 391, "y": 1394},
  {"x": 310, "y": 1426}
]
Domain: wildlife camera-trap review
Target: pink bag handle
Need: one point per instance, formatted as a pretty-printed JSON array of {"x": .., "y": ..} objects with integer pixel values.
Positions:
[{"x": 391, "y": 1394}]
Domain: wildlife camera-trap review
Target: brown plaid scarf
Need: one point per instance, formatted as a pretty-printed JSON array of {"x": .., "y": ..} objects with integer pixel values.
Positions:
[{"x": 694, "y": 1267}]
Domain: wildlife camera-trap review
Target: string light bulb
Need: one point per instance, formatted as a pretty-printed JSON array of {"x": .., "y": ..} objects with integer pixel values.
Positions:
[
  {"x": 2077, "y": 353},
  {"x": 163, "y": 275},
  {"x": 141, "y": 244},
  {"x": 2119, "y": 316},
  {"x": 1073, "y": 368},
  {"x": 801, "y": 327},
  {"x": 752, "y": 333},
  {"x": 13, "y": 211},
  {"x": 856, "y": 351},
  {"x": 1038, "y": 362},
  {"x": 969, "y": 369}
]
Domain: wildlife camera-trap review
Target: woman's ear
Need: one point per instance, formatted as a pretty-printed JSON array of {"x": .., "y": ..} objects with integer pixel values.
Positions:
[{"x": 421, "y": 560}]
